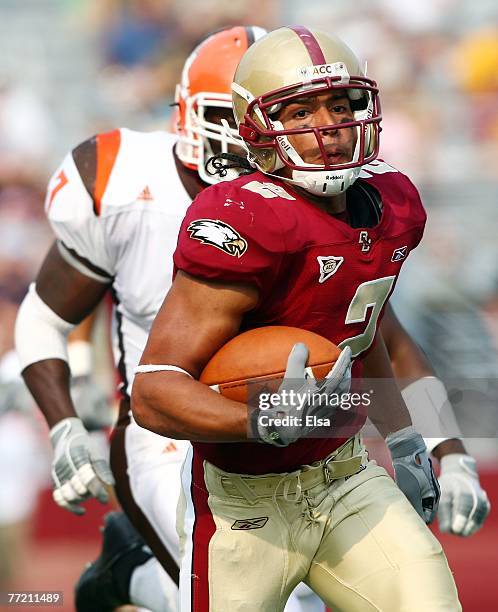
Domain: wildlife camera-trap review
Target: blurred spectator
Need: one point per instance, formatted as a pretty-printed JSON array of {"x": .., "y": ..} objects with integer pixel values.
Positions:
[
  {"x": 24, "y": 233},
  {"x": 25, "y": 470},
  {"x": 475, "y": 72},
  {"x": 137, "y": 31},
  {"x": 422, "y": 16},
  {"x": 24, "y": 237},
  {"x": 26, "y": 128},
  {"x": 144, "y": 45},
  {"x": 475, "y": 61}
]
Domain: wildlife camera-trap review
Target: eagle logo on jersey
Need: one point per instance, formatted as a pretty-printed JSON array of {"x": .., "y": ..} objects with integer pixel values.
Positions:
[
  {"x": 328, "y": 266},
  {"x": 218, "y": 234}
]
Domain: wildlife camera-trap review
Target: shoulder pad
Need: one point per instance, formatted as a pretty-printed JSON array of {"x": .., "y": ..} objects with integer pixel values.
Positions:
[
  {"x": 85, "y": 160},
  {"x": 94, "y": 160}
]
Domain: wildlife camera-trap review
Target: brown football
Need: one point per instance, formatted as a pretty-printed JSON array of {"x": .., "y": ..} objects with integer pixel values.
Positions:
[{"x": 260, "y": 356}]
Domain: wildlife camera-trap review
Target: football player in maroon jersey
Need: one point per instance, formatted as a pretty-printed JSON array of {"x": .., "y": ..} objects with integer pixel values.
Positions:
[
  {"x": 315, "y": 238},
  {"x": 459, "y": 482}
]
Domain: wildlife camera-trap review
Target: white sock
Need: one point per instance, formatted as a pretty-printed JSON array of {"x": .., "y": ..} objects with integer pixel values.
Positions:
[
  {"x": 292, "y": 604},
  {"x": 152, "y": 588},
  {"x": 303, "y": 599}
]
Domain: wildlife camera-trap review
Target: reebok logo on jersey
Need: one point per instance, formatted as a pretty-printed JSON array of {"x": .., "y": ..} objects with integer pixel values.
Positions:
[
  {"x": 246, "y": 524},
  {"x": 328, "y": 266},
  {"x": 399, "y": 254},
  {"x": 145, "y": 194},
  {"x": 218, "y": 234}
]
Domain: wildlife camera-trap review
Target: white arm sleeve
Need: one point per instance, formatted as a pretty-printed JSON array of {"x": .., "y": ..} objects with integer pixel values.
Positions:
[
  {"x": 70, "y": 211},
  {"x": 431, "y": 412},
  {"x": 39, "y": 332}
]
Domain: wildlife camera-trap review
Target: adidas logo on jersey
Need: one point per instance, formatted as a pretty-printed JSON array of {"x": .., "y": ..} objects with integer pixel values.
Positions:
[
  {"x": 171, "y": 447},
  {"x": 145, "y": 194}
]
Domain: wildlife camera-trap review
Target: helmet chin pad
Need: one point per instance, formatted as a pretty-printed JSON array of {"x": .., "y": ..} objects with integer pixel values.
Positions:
[
  {"x": 322, "y": 183},
  {"x": 325, "y": 183}
]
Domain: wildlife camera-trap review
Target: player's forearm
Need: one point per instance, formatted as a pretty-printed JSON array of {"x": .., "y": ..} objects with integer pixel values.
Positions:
[
  {"x": 48, "y": 382},
  {"x": 449, "y": 447},
  {"x": 387, "y": 410},
  {"x": 175, "y": 406},
  {"x": 408, "y": 361}
]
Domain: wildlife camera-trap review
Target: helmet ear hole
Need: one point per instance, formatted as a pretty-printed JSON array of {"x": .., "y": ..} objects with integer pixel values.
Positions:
[{"x": 360, "y": 104}]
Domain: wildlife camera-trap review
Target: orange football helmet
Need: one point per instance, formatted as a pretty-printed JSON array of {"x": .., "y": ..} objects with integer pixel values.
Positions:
[{"x": 206, "y": 83}]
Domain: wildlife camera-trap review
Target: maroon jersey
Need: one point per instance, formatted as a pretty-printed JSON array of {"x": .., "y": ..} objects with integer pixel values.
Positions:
[{"x": 312, "y": 270}]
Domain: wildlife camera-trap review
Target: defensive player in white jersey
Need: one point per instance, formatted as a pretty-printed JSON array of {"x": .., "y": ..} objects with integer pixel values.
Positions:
[{"x": 116, "y": 204}]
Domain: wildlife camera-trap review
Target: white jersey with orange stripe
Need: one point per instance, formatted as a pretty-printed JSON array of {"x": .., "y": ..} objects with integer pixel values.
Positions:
[{"x": 117, "y": 208}]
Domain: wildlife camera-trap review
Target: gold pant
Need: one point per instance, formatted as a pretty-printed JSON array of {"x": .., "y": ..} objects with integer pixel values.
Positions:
[{"x": 355, "y": 540}]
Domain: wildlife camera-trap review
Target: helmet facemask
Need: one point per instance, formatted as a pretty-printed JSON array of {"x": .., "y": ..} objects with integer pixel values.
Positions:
[
  {"x": 268, "y": 140},
  {"x": 200, "y": 134}
]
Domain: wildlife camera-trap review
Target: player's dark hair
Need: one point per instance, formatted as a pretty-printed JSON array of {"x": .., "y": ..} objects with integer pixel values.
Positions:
[{"x": 222, "y": 162}]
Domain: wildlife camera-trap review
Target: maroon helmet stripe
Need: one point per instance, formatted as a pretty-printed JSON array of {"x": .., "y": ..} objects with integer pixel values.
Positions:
[{"x": 311, "y": 44}]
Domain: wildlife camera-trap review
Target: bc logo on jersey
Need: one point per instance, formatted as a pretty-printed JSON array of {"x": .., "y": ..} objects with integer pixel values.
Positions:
[
  {"x": 218, "y": 234},
  {"x": 365, "y": 241}
]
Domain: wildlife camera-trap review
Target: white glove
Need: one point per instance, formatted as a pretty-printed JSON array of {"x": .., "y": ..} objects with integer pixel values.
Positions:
[
  {"x": 464, "y": 504},
  {"x": 413, "y": 471},
  {"x": 264, "y": 423},
  {"x": 79, "y": 469}
]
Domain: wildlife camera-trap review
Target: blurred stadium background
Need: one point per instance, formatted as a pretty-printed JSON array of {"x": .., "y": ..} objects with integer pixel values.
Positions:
[{"x": 71, "y": 68}]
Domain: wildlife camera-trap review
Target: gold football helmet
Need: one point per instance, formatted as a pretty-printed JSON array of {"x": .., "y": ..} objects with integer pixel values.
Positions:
[{"x": 281, "y": 67}]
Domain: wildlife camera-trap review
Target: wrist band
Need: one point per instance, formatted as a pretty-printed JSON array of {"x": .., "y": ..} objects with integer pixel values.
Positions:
[{"x": 148, "y": 368}]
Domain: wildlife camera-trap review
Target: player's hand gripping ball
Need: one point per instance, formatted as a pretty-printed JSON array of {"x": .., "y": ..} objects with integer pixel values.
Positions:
[{"x": 298, "y": 373}]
